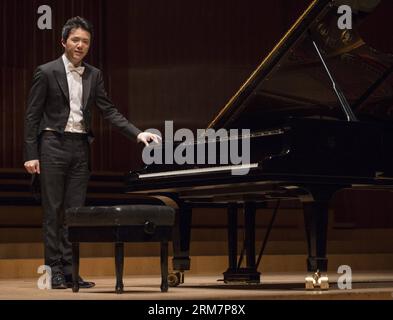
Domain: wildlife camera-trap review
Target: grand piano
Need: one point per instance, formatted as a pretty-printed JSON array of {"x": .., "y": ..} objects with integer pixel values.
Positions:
[{"x": 319, "y": 109}]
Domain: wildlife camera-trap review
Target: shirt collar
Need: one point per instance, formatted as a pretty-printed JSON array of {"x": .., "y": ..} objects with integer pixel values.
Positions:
[{"x": 66, "y": 62}]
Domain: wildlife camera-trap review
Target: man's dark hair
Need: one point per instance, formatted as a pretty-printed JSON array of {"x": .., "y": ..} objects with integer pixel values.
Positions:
[{"x": 75, "y": 23}]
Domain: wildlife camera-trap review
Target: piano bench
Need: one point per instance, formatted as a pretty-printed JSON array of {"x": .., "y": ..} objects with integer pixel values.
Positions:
[{"x": 119, "y": 224}]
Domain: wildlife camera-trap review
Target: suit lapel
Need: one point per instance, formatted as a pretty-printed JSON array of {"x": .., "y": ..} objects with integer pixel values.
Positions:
[
  {"x": 86, "y": 83},
  {"x": 61, "y": 78}
]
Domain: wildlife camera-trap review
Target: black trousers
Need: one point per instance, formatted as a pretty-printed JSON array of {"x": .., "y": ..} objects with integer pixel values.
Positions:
[{"x": 65, "y": 172}]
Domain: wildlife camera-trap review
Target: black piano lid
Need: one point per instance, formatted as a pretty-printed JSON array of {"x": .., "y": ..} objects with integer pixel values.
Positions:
[{"x": 292, "y": 82}]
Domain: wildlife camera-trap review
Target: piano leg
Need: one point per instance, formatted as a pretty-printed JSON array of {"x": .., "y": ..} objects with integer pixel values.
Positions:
[
  {"x": 249, "y": 237},
  {"x": 181, "y": 244},
  {"x": 249, "y": 273},
  {"x": 232, "y": 242},
  {"x": 232, "y": 236},
  {"x": 315, "y": 219},
  {"x": 316, "y": 224}
]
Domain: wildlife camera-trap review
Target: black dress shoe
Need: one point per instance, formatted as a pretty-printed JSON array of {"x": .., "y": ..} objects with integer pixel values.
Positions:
[
  {"x": 58, "y": 281},
  {"x": 82, "y": 283}
]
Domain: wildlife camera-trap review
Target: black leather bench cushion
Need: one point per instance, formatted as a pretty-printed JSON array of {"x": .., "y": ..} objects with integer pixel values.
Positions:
[{"x": 124, "y": 215}]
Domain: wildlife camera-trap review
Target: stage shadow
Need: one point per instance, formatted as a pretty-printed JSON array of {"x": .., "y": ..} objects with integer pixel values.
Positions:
[
  {"x": 124, "y": 292},
  {"x": 240, "y": 286},
  {"x": 293, "y": 286}
]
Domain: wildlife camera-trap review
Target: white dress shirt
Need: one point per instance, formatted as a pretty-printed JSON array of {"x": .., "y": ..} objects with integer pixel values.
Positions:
[{"x": 75, "y": 89}]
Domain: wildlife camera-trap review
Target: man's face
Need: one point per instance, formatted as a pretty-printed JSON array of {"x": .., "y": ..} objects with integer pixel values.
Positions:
[{"x": 77, "y": 45}]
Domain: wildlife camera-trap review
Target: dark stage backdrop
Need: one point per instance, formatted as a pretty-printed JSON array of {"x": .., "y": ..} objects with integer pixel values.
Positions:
[
  {"x": 23, "y": 46},
  {"x": 163, "y": 60}
]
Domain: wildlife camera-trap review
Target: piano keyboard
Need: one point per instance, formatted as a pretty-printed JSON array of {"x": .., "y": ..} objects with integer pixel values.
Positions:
[{"x": 196, "y": 171}]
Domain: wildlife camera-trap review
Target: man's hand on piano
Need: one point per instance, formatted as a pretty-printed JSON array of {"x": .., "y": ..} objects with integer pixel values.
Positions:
[{"x": 147, "y": 137}]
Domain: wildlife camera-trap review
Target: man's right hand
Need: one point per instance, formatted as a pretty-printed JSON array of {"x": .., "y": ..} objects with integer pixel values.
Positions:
[{"x": 33, "y": 166}]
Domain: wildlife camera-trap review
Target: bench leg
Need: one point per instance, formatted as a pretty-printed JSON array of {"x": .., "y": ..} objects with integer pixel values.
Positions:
[
  {"x": 164, "y": 266},
  {"x": 75, "y": 266},
  {"x": 119, "y": 263}
]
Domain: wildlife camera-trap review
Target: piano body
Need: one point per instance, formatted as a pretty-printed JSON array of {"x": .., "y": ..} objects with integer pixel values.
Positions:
[{"x": 320, "y": 111}]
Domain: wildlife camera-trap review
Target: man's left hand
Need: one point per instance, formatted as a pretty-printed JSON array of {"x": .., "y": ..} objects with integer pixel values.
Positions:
[{"x": 147, "y": 137}]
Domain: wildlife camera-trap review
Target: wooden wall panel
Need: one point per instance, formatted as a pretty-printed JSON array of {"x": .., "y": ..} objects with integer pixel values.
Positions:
[
  {"x": 137, "y": 44},
  {"x": 23, "y": 47},
  {"x": 162, "y": 60}
]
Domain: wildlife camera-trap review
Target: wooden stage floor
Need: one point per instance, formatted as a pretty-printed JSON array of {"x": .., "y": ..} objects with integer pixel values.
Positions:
[{"x": 365, "y": 286}]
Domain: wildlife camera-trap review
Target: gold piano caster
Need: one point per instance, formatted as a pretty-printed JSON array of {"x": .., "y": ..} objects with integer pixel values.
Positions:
[
  {"x": 317, "y": 281},
  {"x": 175, "y": 278}
]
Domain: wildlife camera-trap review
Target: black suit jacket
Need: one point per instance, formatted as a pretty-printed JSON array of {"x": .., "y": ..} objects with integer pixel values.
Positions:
[{"x": 49, "y": 106}]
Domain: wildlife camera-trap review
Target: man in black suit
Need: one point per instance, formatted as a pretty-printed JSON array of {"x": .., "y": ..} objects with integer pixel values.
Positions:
[{"x": 57, "y": 136}]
